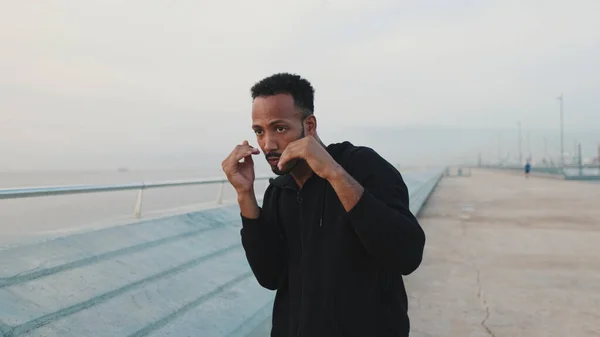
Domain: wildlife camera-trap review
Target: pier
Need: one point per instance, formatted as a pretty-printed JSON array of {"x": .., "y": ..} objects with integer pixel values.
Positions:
[{"x": 505, "y": 256}]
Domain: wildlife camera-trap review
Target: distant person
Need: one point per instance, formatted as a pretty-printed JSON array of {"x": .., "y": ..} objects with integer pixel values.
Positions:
[
  {"x": 527, "y": 169},
  {"x": 335, "y": 234}
]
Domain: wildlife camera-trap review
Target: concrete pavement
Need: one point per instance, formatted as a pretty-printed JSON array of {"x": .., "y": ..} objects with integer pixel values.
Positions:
[{"x": 506, "y": 256}]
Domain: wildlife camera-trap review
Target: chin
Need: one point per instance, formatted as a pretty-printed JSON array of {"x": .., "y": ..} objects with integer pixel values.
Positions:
[
  {"x": 278, "y": 171},
  {"x": 289, "y": 167}
]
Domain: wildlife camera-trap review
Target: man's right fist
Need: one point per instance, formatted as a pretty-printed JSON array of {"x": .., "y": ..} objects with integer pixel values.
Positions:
[{"x": 240, "y": 174}]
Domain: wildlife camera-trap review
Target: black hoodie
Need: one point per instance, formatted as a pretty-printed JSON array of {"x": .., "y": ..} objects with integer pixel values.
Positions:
[{"x": 337, "y": 273}]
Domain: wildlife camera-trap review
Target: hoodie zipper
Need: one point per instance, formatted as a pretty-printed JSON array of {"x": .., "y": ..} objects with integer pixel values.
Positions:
[{"x": 299, "y": 201}]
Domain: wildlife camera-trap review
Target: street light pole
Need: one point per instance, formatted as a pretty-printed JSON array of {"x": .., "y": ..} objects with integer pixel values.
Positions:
[
  {"x": 528, "y": 145},
  {"x": 499, "y": 149},
  {"x": 520, "y": 152},
  {"x": 562, "y": 139}
]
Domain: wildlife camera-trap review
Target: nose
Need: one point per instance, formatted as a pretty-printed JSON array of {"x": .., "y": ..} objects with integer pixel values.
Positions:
[{"x": 270, "y": 144}]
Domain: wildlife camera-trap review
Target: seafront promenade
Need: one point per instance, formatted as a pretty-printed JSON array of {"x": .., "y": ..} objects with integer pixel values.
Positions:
[
  {"x": 505, "y": 256},
  {"x": 508, "y": 257}
]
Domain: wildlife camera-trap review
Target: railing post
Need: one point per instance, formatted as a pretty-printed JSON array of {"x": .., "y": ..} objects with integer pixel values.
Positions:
[
  {"x": 220, "y": 195},
  {"x": 138, "y": 204}
]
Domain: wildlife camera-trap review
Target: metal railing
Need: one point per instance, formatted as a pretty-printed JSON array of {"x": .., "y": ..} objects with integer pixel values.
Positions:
[{"x": 30, "y": 192}]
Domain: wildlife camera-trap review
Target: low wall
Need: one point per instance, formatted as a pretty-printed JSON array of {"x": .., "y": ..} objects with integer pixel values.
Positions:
[
  {"x": 570, "y": 173},
  {"x": 183, "y": 275}
]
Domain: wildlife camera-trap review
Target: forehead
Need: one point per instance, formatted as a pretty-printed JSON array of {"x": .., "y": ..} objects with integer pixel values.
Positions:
[{"x": 280, "y": 106}]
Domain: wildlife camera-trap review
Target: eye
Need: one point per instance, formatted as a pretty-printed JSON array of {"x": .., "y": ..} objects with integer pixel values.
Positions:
[
  {"x": 280, "y": 128},
  {"x": 258, "y": 132}
]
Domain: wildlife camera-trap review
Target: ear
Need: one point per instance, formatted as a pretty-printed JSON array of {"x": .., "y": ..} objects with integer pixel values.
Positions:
[{"x": 310, "y": 125}]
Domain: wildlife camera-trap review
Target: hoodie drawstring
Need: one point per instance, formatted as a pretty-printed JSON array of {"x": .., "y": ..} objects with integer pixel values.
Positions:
[{"x": 323, "y": 206}]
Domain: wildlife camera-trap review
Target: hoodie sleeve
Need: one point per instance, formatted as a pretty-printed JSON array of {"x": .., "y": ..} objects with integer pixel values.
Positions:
[
  {"x": 382, "y": 218},
  {"x": 264, "y": 246}
]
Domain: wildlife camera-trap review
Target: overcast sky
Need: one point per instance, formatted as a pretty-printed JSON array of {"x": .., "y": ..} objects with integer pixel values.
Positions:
[{"x": 107, "y": 76}]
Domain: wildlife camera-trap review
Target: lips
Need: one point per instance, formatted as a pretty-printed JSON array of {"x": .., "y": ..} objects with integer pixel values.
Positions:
[{"x": 273, "y": 161}]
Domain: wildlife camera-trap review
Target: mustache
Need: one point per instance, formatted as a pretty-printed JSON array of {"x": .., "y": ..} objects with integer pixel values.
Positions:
[{"x": 272, "y": 155}]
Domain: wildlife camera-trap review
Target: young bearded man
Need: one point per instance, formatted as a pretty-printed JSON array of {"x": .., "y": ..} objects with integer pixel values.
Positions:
[{"x": 334, "y": 235}]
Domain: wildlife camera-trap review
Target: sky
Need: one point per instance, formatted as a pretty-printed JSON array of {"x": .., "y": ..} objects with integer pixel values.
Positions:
[{"x": 110, "y": 83}]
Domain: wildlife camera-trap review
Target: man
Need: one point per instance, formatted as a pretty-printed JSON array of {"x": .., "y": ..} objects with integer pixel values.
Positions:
[
  {"x": 527, "y": 169},
  {"x": 334, "y": 234}
]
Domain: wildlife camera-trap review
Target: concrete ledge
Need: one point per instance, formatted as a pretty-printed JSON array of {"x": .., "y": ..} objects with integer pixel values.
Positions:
[
  {"x": 419, "y": 199},
  {"x": 532, "y": 174},
  {"x": 132, "y": 280},
  {"x": 4, "y": 329},
  {"x": 582, "y": 178},
  {"x": 541, "y": 174}
]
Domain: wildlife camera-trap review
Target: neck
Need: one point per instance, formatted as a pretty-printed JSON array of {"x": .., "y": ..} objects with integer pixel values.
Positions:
[{"x": 301, "y": 173}]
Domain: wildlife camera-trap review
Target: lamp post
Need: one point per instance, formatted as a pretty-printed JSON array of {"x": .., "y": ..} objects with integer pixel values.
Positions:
[
  {"x": 528, "y": 145},
  {"x": 545, "y": 150},
  {"x": 520, "y": 151},
  {"x": 562, "y": 140}
]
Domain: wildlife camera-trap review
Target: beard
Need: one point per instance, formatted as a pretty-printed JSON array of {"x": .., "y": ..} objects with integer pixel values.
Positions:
[
  {"x": 288, "y": 167},
  {"x": 290, "y": 164}
]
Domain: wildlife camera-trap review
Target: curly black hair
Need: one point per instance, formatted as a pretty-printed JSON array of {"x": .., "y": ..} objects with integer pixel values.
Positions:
[{"x": 285, "y": 83}]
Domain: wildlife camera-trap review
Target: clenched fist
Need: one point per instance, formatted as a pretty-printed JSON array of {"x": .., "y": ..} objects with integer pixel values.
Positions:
[
  {"x": 240, "y": 173},
  {"x": 314, "y": 153}
]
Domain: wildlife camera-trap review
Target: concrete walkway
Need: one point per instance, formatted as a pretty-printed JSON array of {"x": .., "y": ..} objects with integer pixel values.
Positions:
[{"x": 508, "y": 257}]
